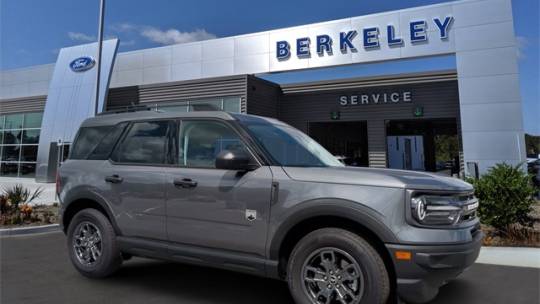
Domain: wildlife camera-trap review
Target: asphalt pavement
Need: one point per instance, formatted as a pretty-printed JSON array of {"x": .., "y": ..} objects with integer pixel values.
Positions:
[{"x": 36, "y": 269}]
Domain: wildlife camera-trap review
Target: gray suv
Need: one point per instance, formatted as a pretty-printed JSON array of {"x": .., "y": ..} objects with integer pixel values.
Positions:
[{"x": 255, "y": 195}]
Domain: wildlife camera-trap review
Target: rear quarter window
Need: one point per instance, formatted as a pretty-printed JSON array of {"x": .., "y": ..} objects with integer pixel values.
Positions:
[{"x": 96, "y": 142}]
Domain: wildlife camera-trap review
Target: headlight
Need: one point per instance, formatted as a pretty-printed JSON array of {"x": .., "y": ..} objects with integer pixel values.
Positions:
[{"x": 439, "y": 210}]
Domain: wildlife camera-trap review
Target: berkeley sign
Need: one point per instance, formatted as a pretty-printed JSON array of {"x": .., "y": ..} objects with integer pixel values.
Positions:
[{"x": 370, "y": 39}]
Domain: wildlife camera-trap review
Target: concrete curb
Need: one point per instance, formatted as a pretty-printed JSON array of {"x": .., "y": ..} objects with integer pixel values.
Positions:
[
  {"x": 29, "y": 230},
  {"x": 510, "y": 256}
]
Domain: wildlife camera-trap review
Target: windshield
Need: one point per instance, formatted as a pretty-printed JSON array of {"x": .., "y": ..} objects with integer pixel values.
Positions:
[{"x": 289, "y": 146}]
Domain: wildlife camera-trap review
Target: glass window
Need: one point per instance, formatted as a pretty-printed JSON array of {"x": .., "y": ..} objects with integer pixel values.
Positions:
[
  {"x": 231, "y": 104},
  {"x": 175, "y": 108},
  {"x": 87, "y": 140},
  {"x": 289, "y": 146},
  {"x": 12, "y": 137},
  {"x": 104, "y": 148},
  {"x": 206, "y": 105},
  {"x": 14, "y": 121},
  {"x": 19, "y": 139},
  {"x": 32, "y": 120},
  {"x": 11, "y": 153},
  {"x": 30, "y": 136},
  {"x": 201, "y": 141},
  {"x": 29, "y": 153},
  {"x": 144, "y": 143},
  {"x": 27, "y": 169},
  {"x": 9, "y": 169}
]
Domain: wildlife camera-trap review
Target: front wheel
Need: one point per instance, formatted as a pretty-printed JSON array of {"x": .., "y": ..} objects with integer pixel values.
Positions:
[
  {"x": 92, "y": 244},
  {"x": 330, "y": 266}
]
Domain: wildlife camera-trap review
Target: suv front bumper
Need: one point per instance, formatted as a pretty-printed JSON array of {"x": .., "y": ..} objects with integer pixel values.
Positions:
[{"x": 431, "y": 266}]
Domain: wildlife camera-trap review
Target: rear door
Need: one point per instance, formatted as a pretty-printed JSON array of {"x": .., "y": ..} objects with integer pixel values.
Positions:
[
  {"x": 211, "y": 207},
  {"x": 136, "y": 179}
]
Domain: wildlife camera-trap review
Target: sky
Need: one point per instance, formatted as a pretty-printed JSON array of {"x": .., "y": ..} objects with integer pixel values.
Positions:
[{"x": 33, "y": 31}]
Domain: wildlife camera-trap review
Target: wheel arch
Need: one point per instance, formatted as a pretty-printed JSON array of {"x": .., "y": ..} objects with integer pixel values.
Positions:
[
  {"x": 85, "y": 201},
  {"x": 346, "y": 215}
]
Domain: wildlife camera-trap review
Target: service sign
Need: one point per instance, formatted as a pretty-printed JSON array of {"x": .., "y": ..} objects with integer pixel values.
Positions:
[
  {"x": 82, "y": 64},
  {"x": 375, "y": 98}
]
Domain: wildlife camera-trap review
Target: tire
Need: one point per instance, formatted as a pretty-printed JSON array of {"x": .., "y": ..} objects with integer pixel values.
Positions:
[
  {"x": 110, "y": 258},
  {"x": 311, "y": 256}
]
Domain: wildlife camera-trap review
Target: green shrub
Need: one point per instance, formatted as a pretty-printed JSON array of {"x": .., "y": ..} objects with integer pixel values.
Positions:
[{"x": 506, "y": 196}]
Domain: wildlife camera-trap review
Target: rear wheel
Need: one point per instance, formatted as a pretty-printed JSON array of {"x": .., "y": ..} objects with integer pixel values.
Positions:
[
  {"x": 331, "y": 265},
  {"x": 92, "y": 244}
]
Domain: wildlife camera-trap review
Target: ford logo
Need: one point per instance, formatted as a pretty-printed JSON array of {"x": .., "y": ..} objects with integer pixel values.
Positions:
[{"x": 82, "y": 64}]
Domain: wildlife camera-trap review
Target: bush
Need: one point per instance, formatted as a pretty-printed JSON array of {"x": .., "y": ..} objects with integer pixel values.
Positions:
[
  {"x": 506, "y": 197},
  {"x": 14, "y": 204}
]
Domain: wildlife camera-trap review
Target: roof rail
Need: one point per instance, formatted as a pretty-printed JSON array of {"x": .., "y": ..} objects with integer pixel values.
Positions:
[{"x": 126, "y": 109}]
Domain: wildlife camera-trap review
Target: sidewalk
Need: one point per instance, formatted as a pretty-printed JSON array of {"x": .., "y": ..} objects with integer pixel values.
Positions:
[
  {"x": 47, "y": 196},
  {"x": 510, "y": 256}
]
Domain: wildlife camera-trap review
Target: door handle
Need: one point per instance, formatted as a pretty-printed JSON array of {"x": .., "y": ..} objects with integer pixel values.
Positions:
[
  {"x": 185, "y": 183},
  {"x": 114, "y": 179}
]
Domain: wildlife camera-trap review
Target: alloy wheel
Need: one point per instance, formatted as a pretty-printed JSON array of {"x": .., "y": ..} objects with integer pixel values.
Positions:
[{"x": 331, "y": 275}]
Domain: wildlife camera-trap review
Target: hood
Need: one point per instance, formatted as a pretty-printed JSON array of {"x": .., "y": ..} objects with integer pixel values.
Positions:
[{"x": 378, "y": 177}]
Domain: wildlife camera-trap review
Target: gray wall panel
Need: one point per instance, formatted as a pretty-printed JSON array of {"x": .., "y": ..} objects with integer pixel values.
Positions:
[
  {"x": 262, "y": 97},
  {"x": 25, "y": 104},
  {"x": 189, "y": 90}
]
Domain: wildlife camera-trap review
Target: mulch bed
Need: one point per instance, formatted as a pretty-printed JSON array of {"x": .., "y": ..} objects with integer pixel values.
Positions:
[{"x": 41, "y": 215}]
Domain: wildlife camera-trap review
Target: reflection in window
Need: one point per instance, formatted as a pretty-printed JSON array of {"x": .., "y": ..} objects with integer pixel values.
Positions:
[
  {"x": 144, "y": 143},
  {"x": 201, "y": 141},
  {"x": 19, "y": 139}
]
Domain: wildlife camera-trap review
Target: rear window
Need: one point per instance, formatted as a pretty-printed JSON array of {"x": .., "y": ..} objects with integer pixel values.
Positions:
[
  {"x": 96, "y": 142},
  {"x": 144, "y": 143}
]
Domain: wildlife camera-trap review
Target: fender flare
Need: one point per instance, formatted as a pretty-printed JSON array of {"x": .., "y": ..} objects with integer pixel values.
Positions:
[
  {"x": 354, "y": 211},
  {"x": 83, "y": 193}
]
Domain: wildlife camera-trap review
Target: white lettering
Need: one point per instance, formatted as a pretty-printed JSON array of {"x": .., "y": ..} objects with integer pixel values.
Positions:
[
  {"x": 394, "y": 97},
  {"x": 407, "y": 96},
  {"x": 343, "y": 100},
  {"x": 365, "y": 99},
  {"x": 354, "y": 99},
  {"x": 375, "y": 97}
]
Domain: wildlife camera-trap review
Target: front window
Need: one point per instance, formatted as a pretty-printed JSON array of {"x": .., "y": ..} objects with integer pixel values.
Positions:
[
  {"x": 201, "y": 141},
  {"x": 288, "y": 146}
]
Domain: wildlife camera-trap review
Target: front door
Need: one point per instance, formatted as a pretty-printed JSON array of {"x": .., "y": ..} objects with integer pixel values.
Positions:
[{"x": 210, "y": 207}]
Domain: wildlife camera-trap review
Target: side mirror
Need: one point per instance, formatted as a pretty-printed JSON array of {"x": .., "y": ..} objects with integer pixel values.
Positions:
[{"x": 234, "y": 160}]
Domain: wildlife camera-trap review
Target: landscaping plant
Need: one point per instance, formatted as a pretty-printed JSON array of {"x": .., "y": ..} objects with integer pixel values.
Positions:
[
  {"x": 14, "y": 204},
  {"x": 506, "y": 197}
]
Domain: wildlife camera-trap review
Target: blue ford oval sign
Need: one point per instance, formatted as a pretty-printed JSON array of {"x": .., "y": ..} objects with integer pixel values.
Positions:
[{"x": 82, "y": 64}]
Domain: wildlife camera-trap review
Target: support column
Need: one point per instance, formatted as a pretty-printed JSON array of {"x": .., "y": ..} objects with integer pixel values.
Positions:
[
  {"x": 489, "y": 96},
  {"x": 376, "y": 130}
]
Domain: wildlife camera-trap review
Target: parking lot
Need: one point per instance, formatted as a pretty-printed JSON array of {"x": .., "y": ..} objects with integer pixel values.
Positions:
[{"x": 36, "y": 269}]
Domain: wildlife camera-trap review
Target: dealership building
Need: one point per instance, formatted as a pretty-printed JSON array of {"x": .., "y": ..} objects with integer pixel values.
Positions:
[{"x": 451, "y": 121}]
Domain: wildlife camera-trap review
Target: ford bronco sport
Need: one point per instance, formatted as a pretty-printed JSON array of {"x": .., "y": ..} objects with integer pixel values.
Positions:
[{"x": 255, "y": 195}]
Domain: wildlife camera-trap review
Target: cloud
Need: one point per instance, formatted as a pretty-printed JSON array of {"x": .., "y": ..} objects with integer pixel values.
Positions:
[
  {"x": 80, "y": 37},
  {"x": 123, "y": 27},
  {"x": 174, "y": 36},
  {"x": 157, "y": 35},
  {"x": 521, "y": 43}
]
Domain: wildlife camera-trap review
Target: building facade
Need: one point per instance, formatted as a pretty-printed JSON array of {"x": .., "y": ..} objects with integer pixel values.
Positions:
[{"x": 442, "y": 121}]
